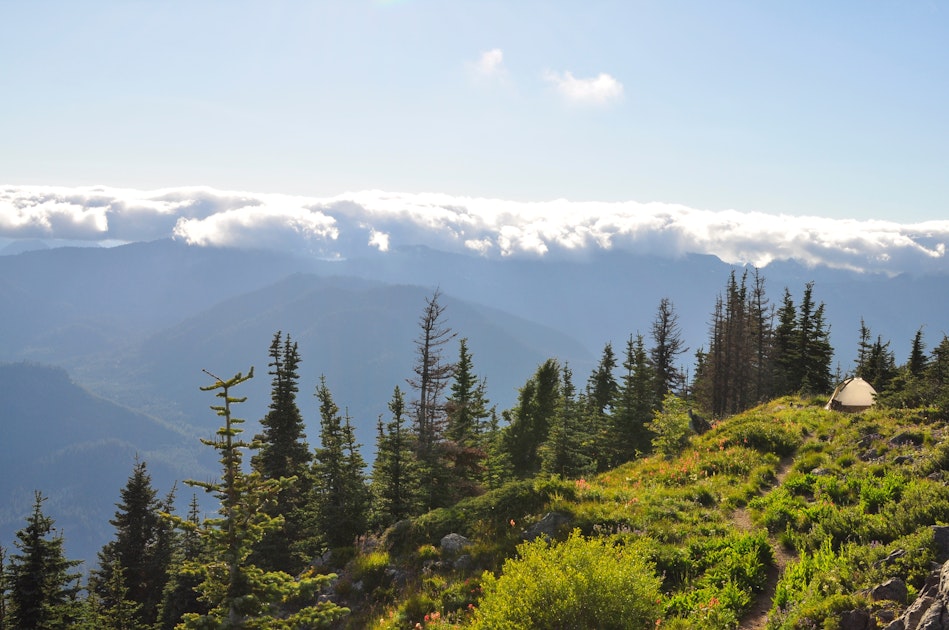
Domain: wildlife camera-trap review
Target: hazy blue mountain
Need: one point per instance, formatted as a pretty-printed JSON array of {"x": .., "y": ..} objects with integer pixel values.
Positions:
[
  {"x": 136, "y": 325},
  {"x": 360, "y": 334},
  {"x": 78, "y": 449}
]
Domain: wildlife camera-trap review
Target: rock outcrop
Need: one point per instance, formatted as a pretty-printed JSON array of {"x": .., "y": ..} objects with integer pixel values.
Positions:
[{"x": 930, "y": 611}]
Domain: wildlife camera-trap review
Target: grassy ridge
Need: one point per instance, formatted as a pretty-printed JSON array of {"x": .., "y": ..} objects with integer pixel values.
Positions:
[{"x": 849, "y": 498}]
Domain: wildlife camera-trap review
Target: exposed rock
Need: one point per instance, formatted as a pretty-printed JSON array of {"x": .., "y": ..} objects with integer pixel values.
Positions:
[
  {"x": 941, "y": 540},
  {"x": 930, "y": 611},
  {"x": 906, "y": 437},
  {"x": 854, "y": 620},
  {"x": 452, "y": 544},
  {"x": 890, "y": 559},
  {"x": 903, "y": 459},
  {"x": 894, "y": 590},
  {"x": 548, "y": 527},
  {"x": 867, "y": 440},
  {"x": 463, "y": 563}
]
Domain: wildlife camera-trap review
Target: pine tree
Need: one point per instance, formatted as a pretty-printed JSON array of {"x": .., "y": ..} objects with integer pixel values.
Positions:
[
  {"x": 466, "y": 410},
  {"x": 338, "y": 487},
  {"x": 785, "y": 348},
  {"x": 181, "y": 590},
  {"x": 498, "y": 469},
  {"x": 284, "y": 453},
  {"x": 110, "y": 604},
  {"x": 529, "y": 421},
  {"x": 917, "y": 359},
  {"x": 602, "y": 390},
  {"x": 3, "y": 589},
  {"x": 635, "y": 403},
  {"x": 432, "y": 374},
  {"x": 139, "y": 553},
  {"x": 814, "y": 350},
  {"x": 237, "y": 593},
  {"x": 563, "y": 451},
  {"x": 43, "y": 585},
  {"x": 667, "y": 346},
  {"x": 394, "y": 482}
]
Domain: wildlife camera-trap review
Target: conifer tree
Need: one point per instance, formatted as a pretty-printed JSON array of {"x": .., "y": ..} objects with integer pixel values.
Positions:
[
  {"x": 109, "y": 605},
  {"x": 339, "y": 483},
  {"x": 239, "y": 594},
  {"x": 562, "y": 453},
  {"x": 466, "y": 410},
  {"x": 284, "y": 453},
  {"x": 635, "y": 403},
  {"x": 498, "y": 469},
  {"x": 394, "y": 483},
  {"x": 43, "y": 585},
  {"x": 181, "y": 590},
  {"x": 431, "y": 376},
  {"x": 529, "y": 421},
  {"x": 602, "y": 390},
  {"x": 917, "y": 358},
  {"x": 467, "y": 405},
  {"x": 140, "y": 552},
  {"x": 3, "y": 589},
  {"x": 814, "y": 350},
  {"x": 667, "y": 346},
  {"x": 786, "y": 379}
]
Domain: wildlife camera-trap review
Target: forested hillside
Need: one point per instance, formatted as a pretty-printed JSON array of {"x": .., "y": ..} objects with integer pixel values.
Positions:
[{"x": 723, "y": 488}]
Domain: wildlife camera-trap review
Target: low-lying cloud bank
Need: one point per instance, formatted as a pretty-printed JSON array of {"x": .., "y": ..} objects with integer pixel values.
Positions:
[{"x": 352, "y": 223}]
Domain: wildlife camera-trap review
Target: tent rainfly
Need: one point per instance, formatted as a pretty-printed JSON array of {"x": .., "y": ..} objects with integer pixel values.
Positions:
[{"x": 853, "y": 395}]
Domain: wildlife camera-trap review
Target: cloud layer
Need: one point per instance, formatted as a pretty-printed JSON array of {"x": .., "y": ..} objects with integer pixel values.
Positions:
[{"x": 354, "y": 223}]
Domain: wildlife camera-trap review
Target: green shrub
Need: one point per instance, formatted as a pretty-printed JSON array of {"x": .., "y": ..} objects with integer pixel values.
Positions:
[{"x": 579, "y": 583}]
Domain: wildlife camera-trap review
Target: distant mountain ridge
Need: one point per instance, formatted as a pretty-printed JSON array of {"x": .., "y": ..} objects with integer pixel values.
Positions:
[{"x": 136, "y": 324}]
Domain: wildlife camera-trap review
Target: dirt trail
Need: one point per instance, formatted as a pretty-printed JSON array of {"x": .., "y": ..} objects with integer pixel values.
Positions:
[{"x": 757, "y": 616}]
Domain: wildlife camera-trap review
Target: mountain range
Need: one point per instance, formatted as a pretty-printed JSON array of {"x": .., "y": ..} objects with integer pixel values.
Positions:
[{"x": 102, "y": 349}]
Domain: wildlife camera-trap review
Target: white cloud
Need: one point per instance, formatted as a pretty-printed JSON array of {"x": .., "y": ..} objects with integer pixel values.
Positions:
[
  {"x": 490, "y": 64},
  {"x": 355, "y": 223},
  {"x": 599, "y": 90}
]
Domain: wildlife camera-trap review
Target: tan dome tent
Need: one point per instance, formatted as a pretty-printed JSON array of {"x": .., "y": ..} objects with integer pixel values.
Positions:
[{"x": 853, "y": 395}]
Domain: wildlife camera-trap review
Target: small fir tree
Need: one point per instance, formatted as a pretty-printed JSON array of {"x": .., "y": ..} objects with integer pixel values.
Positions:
[
  {"x": 43, "y": 584},
  {"x": 339, "y": 492},
  {"x": 237, "y": 593},
  {"x": 394, "y": 481},
  {"x": 284, "y": 453},
  {"x": 140, "y": 552}
]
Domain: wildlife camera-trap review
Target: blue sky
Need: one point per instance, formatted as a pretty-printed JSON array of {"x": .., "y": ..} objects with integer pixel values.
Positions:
[{"x": 836, "y": 109}]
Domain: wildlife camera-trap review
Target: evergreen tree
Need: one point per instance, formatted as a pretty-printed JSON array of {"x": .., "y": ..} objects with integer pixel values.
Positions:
[
  {"x": 814, "y": 349},
  {"x": 670, "y": 426},
  {"x": 181, "y": 590},
  {"x": 563, "y": 451},
  {"x": 42, "y": 583},
  {"x": 917, "y": 359},
  {"x": 338, "y": 482},
  {"x": 110, "y": 605},
  {"x": 394, "y": 481},
  {"x": 529, "y": 421},
  {"x": 498, "y": 469},
  {"x": 432, "y": 374},
  {"x": 3, "y": 589},
  {"x": 140, "y": 552},
  {"x": 284, "y": 453},
  {"x": 667, "y": 346},
  {"x": 786, "y": 379},
  {"x": 635, "y": 403},
  {"x": 467, "y": 411},
  {"x": 237, "y": 593},
  {"x": 602, "y": 390},
  {"x": 467, "y": 405}
]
